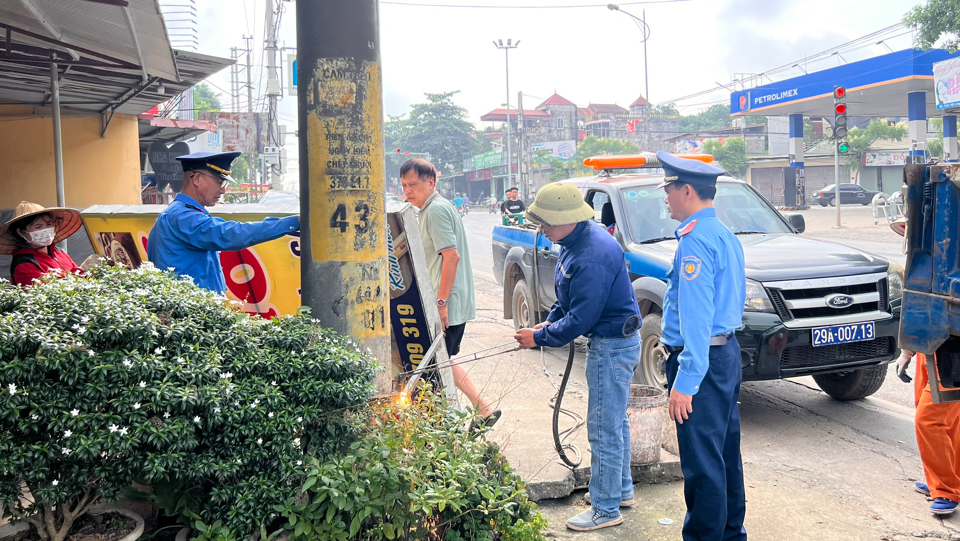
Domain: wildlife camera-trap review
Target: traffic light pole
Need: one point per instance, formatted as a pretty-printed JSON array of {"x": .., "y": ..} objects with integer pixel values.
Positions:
[
  {"x": 836, "y": 177},
  {"x": 343, "y": 227}
]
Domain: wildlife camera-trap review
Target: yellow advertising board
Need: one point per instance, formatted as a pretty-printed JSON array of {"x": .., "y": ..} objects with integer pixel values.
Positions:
[{"x": 265, "y": 277}]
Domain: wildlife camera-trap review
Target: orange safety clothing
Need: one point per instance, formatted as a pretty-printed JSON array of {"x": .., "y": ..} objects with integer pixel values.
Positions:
[{"x": 938, "y": 437}]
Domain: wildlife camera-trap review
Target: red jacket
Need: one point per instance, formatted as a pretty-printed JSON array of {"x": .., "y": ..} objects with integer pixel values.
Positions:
[{"x": 25, "y": 269}]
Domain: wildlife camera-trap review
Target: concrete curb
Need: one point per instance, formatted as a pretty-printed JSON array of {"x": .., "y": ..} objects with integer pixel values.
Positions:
[{"x": 557, "y": 481}]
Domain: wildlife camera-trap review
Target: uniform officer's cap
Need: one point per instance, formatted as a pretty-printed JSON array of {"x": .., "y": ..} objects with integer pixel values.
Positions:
[
  {"x": 218, "y": 163},
  {"x": 685, "y": 171}
]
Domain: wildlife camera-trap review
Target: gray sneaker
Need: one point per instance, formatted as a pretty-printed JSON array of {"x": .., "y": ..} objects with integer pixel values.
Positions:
[
  {"x": 623, "y": 503},
  {"x": 589, "y": 521}
]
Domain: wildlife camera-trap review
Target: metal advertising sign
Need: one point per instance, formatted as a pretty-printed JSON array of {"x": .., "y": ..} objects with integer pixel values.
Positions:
[
  {"x": 946, "y": 83},
  {"x": 167, "y": 170}
]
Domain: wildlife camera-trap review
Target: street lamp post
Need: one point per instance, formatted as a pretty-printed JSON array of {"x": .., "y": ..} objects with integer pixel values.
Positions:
[
  {"x": 506, "y": 50},
  {"x": 645, "y": 29}
]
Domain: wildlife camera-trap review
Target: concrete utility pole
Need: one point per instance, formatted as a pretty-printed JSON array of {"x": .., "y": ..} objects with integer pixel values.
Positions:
[
  {"x": 234, "y": 80},
  {"x": 343, "y": 258},
  {"x": 252, "y": 161},
  {"x": 273, "y": 88},
  {"x": 521, "y": 132}
]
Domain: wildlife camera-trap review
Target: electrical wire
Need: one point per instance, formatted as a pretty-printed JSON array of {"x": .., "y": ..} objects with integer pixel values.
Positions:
[{"x": 579, "y": 6}]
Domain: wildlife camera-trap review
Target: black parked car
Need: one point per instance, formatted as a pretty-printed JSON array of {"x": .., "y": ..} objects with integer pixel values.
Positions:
[{"x": 849, "y": 193}]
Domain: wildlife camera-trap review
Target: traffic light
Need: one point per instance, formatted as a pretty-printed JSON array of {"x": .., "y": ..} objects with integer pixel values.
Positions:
[
  {"x": 842, "y": 147},
  {"x": 840, "y": 113}
]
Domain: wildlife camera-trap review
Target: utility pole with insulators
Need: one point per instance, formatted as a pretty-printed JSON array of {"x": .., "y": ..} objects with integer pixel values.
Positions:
[
  {"x": 273, "y": 90},
  {"x": 343, "y": 220},
  {"x": 839, "y": 132}
]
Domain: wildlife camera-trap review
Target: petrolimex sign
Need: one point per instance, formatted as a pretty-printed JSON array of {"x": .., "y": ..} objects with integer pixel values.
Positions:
[
  {"x": 748, "y": 100},
  {"x": 946, "y": 81}
]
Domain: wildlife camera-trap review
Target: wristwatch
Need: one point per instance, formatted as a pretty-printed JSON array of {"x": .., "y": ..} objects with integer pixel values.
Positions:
[{"x": 441, "y": 302}]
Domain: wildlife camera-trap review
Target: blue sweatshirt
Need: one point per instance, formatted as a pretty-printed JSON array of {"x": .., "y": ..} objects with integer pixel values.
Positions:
[{"x": 594, "y": 293}]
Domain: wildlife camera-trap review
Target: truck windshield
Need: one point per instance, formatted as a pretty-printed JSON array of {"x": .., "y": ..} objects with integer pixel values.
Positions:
[{"x": 739, "y": 207}]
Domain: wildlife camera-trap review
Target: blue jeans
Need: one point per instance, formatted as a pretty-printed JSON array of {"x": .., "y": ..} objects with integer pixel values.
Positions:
[{"x": 610, "y": 366}]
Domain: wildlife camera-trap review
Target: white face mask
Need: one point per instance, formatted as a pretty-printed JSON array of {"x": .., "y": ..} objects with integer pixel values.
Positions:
[{"x": 42, "y": 237}]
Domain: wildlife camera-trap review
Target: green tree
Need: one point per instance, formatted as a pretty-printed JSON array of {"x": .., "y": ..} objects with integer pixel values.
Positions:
[
  {"x": 437, "y": 127},
  {"x": 731, "y": 155},
  {"x": 592, "y": 146},
  {"x": 860, "y": 140},
  {"x": 717, "y": 116},
  {"x": 935, "y": 146},
  {"x": 934, "y": 20},
  {"x": 205, "y": 100},
  {"x": 665, "y": 109}
]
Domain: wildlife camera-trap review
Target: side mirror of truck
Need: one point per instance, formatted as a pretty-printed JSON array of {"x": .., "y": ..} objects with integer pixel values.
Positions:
[{"x": 797, "y": 222}]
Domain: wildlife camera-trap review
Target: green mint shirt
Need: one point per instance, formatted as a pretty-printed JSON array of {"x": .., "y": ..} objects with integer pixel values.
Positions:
[{"x": 441, "y": 229}]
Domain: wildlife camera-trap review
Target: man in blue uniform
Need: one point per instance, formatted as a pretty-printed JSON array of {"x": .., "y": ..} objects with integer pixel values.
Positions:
[
  {"x": 706, "y": 289},
  {"x": 594, "y": 298},
  {"x": 187, "y": 239}
]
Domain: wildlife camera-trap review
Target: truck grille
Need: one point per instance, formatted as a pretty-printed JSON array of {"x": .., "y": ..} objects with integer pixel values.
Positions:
[
  {"x": 803, "y": 303},
  {"x": 797, "y": 357}
]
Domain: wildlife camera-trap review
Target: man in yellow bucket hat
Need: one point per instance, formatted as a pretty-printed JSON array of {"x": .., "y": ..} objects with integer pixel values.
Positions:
[{"x": 594, "y": 298}]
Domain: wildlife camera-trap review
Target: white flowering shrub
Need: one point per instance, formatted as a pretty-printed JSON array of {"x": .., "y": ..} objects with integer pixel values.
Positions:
[{"x": 138, "y": 376}]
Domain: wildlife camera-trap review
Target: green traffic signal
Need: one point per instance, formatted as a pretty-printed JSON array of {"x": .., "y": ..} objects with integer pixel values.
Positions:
[{"x": 843, "y": 148}]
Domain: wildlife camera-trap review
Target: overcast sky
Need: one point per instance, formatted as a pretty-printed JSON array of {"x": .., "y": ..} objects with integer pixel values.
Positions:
[{"x": 585, "y": 54}]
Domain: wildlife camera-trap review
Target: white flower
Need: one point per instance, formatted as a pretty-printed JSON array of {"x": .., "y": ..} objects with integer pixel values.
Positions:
[
  {"x": 216, "y": 410},
  {"x": 274, "y": 383},
  {"x": 143, "y": 384},
  {"x": 74, "y": 412},
  {"x": 226, "y": 375},
  {"x": 299, "y": 419},
  {"x": 166, "y": 415},
  {"x": 13, "y": 388},
  {"x": 55, "y": 482},
  {"x": 196, "y": 419},
  {"x": 66, "y": 451},
  {"x": 299, "y": 463},
  {"x": 259, "y": 441},
  {"x": 296, "y": 442},
  {"x": 68, "y": 433},
  {"x": 34, "y": 417},
  {"x": 123, "y": 431},
  {"x": 90, "y": 353},
  {"x": 136, "y": 406},
  {"x": 270, "y": 415},
  {"x": 113, "y": 428},
  {"x": 127, "y": 363},
  {"x": 181, "y": 360},
  {"x": 160, "y": 350},
  {"x": 255, "y": 402}
]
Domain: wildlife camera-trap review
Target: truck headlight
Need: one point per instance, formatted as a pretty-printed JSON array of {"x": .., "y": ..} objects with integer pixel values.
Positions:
[
  {"x": 757, "y": 299},
  {"x": 895, "y": 281}
]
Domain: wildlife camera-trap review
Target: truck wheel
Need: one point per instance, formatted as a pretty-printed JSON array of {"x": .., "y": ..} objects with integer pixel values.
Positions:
[
  {"x": 853, "y": 385},
  {"x": 652, "y": 369},
  {"x": 523, "y": 303}
]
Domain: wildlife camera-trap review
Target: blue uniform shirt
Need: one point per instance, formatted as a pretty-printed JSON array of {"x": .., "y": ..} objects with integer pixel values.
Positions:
[
  {"x": 188, "y": 239},
  {"x": 594, "y": 293},
  {"x": 706, "y": 289}
]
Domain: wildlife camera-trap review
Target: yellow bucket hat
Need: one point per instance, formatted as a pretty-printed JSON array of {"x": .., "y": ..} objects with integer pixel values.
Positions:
[{"x": 558, "y": 204}]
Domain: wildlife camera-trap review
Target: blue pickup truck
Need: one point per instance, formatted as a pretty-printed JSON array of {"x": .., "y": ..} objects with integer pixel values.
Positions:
[{"x": 813, "y": 307}]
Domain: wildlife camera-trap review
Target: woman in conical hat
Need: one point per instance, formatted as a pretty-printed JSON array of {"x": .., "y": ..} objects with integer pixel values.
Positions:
[{"x": 31, "y": 237}]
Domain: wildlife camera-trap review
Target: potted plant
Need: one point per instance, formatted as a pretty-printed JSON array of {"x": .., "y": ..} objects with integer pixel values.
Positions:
[{"x": 139, "y": 376}]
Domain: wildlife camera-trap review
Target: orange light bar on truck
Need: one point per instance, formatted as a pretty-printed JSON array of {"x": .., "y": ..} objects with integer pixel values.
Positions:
[{"x": 634, "y": 161}]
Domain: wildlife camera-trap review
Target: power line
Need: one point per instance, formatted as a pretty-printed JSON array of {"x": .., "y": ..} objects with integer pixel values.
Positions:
[{"x": 418, "y": 4}]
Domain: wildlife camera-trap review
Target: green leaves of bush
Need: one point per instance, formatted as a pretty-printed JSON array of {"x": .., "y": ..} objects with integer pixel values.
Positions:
[
  {"x": 138, "y": 376},
  {"x": 415, "y": 473}
]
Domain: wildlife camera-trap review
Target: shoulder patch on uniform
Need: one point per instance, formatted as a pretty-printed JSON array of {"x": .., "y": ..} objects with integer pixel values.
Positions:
[
  {"x": 688, "y": 228},
  {"x": 690, "y": 267}
]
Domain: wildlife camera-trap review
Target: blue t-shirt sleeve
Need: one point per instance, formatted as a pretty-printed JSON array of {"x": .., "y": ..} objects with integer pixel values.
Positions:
[
  {"x": 589, "y": 288},
  {"x": 211, "y": 233},
  {"x": 695, "y": 300}
]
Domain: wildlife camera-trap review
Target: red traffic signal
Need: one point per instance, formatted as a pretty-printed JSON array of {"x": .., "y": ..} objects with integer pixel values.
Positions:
[
  {"x": 398, "y": 151},
  {"x": 839, "y": 93},
  {"x": 841, "y": 109},
  {"x": 408, "y": 153}
]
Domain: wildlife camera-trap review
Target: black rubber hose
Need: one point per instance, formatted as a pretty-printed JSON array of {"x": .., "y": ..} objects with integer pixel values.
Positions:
[{"x": 556, "y": 413}]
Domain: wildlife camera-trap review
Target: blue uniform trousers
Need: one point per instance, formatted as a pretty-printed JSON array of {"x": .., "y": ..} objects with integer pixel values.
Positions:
[{"x": 710, "y": 450}]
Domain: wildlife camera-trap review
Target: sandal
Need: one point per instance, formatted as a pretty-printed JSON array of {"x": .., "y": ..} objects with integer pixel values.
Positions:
[{"x": 486, "y": 422}]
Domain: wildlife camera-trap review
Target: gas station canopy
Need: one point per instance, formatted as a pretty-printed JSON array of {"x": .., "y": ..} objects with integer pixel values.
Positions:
[{"x": 876, "y": 87}]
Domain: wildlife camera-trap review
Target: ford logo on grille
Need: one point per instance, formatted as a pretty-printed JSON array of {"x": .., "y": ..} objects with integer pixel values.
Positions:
[{"x": 839, "y": 301}]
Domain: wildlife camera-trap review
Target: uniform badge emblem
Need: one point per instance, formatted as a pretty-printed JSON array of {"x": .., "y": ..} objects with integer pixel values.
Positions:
[{"x": 690, "y": 267}]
